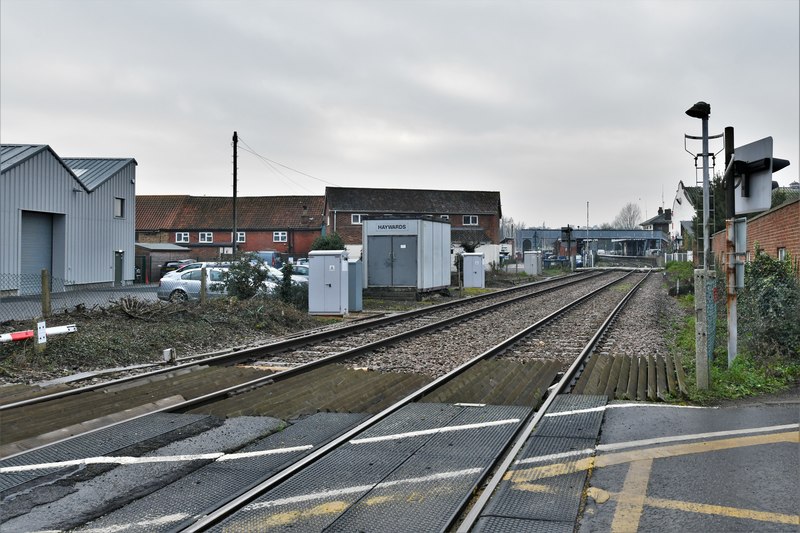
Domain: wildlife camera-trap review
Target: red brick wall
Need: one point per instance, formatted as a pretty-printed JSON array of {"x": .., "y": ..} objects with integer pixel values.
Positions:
[
  {"x": 777, "y": 229},
  {"x": 298, "y": 242}
]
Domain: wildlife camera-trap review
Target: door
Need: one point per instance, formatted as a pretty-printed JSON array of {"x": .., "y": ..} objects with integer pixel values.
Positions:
[
  {"x": 404, "y": 260},
  {"x": 331, "y": 297},
  {"x": 392, "y": 261},
  {"x": 118, "y": 264},
  {"x": 37, "y": 250},
  {"x": 379, "y": 261}
]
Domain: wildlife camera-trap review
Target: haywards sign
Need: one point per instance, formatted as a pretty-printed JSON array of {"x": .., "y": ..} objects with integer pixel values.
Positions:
[{"x": 392, "y": 227}]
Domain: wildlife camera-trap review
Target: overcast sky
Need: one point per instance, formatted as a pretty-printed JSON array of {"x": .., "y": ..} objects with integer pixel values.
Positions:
[{"x": 552, "y": 103}]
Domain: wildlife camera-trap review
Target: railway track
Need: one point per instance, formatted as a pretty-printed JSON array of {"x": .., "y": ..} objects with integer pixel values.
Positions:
[
  {"x": 31, "y": 417},
  {"x": 508, "y": 379}
]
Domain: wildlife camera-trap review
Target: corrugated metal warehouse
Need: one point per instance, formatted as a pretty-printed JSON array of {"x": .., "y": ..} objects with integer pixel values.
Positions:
[{"x": 73, "y": 217}]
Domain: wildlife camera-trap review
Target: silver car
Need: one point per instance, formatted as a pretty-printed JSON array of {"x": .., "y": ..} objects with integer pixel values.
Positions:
[{"x": 186, "y": 285}]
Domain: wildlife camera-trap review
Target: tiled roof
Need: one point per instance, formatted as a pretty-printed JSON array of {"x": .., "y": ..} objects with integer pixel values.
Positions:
[
  {"x": 694, "y": 194},
  {"x": 412, "y": 201},
  {"x": 155, "y": 213}
]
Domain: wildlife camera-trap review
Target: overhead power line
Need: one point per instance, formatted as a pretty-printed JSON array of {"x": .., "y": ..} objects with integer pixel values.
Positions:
[{"x": 269, "y": 162}]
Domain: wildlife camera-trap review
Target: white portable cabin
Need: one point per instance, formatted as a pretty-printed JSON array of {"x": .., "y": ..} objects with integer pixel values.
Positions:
[{"x": 406, "y": 252}]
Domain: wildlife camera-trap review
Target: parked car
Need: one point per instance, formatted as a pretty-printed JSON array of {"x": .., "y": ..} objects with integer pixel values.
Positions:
[
  {"x": 300, "y": 270},
  {"x": 170, "y": 266},
  {"x": 192, "y": 266},
  {"x": 276, "y": 275},
  {"x": 270, "y": 257},
  {"x": 186, "y": 285}
]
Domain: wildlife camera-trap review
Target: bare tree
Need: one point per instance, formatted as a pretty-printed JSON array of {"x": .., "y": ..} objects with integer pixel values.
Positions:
[
  {"x": 629, "y": 217},
  {"x": 508, "y": 228}
]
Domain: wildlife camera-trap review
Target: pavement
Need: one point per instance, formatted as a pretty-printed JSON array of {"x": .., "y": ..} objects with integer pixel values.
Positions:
[{"x": 668, "y": 468}]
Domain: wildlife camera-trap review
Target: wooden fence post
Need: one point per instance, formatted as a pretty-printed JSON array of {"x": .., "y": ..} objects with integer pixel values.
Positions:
[{"x": 46, "y": 305}]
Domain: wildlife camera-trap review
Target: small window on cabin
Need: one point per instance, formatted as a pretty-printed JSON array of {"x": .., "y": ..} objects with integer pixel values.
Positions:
[
  {"x": 119, "y": 207},
  {"x": 280, "y": 236},
  {"x": 182, "y": 236},
  {"x": 206, "y": 236},
  {"x": 470, "y": 220},
  {"x": 355, "y": 218}
]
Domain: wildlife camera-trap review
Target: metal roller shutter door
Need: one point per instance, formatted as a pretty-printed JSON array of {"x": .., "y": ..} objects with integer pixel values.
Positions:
[{"x": 37, "y": 244}]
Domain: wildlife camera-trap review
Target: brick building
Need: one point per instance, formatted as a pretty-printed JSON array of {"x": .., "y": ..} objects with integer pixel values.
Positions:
[
  {"x": 204, "y": 224},
  {"x": 473, "y": 215},
  {"x": 777, "y": 233}
]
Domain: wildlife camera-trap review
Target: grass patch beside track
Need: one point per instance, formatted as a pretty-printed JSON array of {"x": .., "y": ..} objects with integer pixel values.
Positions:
[{"x": 744, "y": 379}]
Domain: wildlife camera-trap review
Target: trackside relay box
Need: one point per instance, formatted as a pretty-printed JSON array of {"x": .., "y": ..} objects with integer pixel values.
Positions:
[{"x": 328, "y": 282}]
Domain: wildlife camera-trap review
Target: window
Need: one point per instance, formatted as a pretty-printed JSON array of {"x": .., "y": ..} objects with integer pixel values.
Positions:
[
  {"x": 470, "y": 220},
  {"x": 192, "y": 275},
  {"x": 206, "y": 236},
  {"x": 781, "y": 254},
  {"x": 280, "y": 236},
  {"x": 355, "y": 218},
  {"x": 119, "y": 207},
  {"x": 444, "y": 217},
  {"x": 240, "y": 236},
  {"x": 182, "y": 236}
]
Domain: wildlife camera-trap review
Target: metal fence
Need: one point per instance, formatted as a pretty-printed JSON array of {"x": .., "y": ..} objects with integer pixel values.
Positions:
[{"x": 21, "y": 296}]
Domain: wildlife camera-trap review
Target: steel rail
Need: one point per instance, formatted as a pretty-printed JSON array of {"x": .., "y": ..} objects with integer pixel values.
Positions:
[
  {"x": 232, "y": 358},
  {"x": 214, "y": 516},
  {"x": 508, "y": 459}
]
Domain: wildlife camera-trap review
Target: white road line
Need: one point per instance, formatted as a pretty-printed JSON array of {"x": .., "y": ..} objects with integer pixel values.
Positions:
[
  {"x": 696, "y": 436},
  {"x": 218, "y": 456},
  {"x": 554, "y": 456},
  {"x": 434, "y": 431},
  {"x": 623, "y": 405},
  {"x": 160, "y": 521}
]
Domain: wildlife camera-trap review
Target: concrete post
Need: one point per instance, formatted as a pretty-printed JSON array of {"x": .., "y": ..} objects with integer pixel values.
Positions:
[{"x": 701, "y": 328}]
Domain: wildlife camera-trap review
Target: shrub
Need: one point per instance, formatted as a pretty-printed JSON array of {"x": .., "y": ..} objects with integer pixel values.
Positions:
[
  {"x": 245, "y": 276},
  {"x": 328, "y": 242},
  {"x": 768, "y": 308}
]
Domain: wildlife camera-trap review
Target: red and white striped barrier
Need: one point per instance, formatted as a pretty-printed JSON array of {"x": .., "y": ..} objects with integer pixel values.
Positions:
[{"x": 28, "y": 334}]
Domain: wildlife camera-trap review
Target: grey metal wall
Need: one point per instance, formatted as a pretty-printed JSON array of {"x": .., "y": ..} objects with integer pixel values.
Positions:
[{"x": 90, "y": 234}]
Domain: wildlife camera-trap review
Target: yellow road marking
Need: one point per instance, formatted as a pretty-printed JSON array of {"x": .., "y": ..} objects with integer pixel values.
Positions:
[
  {"x": 629, "y": 510},
  {"x": 633, "y": 497},
  {"x": 722, "y": 510},
  {"x": 526, "y": 475},
  {"x": 602, "y": 496}
]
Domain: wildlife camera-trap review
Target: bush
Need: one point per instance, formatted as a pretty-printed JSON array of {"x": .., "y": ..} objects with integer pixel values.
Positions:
[
  {"x": 245, "y": 277},
  {"x": 768, "y": 308},
  {"x": 328, "y": 242},
  {"x": 680, "y": 277}
]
